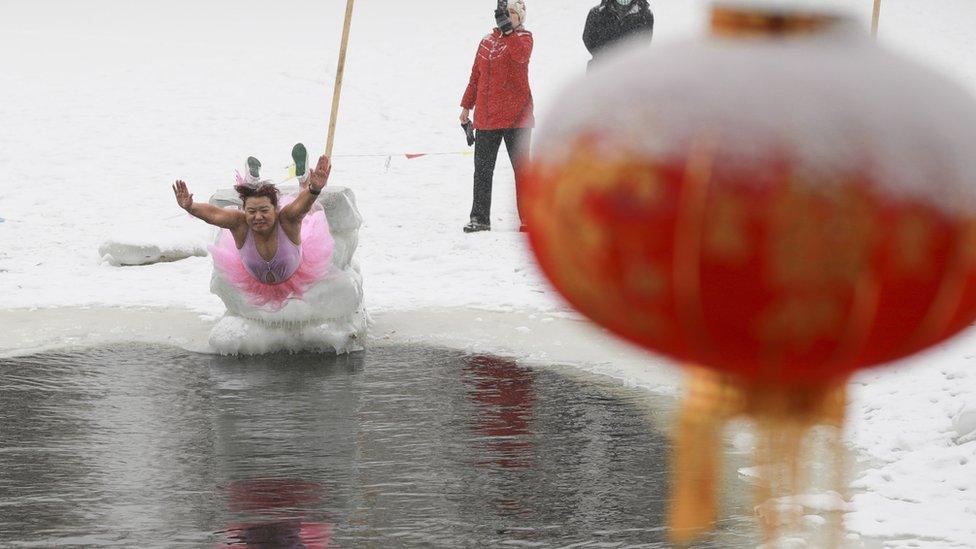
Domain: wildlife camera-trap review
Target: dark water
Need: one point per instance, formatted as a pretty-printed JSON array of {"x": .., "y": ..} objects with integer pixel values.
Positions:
[{"x": 143, "y": 446}]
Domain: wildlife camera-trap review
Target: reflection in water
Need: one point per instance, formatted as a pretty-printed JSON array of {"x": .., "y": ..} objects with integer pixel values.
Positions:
[
  {"x": 154, "y": 447},
  {"x": 269, "y": 494},
  {"x": 274, "y": 498},
  {"x": 279, "y": 535},
  {"x": 277, "y": 441},
  {"x": 504, "y": 394}
]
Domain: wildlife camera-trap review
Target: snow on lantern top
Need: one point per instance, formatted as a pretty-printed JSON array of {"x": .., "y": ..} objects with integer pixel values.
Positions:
[{"x": 767, "y": 85}]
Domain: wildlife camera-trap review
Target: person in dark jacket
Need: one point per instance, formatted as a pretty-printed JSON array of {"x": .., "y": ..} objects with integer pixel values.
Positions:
[
  {"x": 615, "y": 20},
  {"x": 499, "y": 93}
]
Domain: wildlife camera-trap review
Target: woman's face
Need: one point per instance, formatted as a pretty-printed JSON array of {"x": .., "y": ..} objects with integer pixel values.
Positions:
[
  {"x": 514, "y": 16},
  {"x": 260, "y": 214}
]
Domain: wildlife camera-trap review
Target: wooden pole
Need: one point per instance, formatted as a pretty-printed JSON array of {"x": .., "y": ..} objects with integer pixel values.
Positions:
[
  {"x": 874, "y": 20},
  {"x": 337, "y": 90}
]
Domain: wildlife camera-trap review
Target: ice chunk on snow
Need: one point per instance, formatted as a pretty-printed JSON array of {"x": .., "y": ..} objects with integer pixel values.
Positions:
[
  {"x": 814, "y": 520},
  {"x": 132, "y": 251},
  {"x": 803, "y": 505},
  {"x": 964, "y": 425},
  {"x": 749, "y": 472},
  {"x": 785, "y": 542},
  {"x": 827, "y": 501}
]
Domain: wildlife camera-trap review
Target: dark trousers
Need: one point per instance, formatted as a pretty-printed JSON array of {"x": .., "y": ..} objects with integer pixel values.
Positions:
[{"x": 486, "y": 144}]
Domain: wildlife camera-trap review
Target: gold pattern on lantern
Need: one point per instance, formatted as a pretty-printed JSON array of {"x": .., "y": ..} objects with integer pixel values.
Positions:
[
  {"x": 580, "y": 247},
  {"x": 968, "y": 243},
  {"x": 725, "y": 229},
  {"x": 646, "y": 189},
  {"x": 567, "y": 270},
  {"x": 591, "y": 236},
  {"x": 849, "y": 234},
  {"x": 577, "y": 180},
  {"x": 586, "y": 291},
  {"x": 820, "y": 237},
  {"x": 795, "y": 258},
  {"x": 584, "y": 288},
  {"x": 800, "y": 320},
  {"x": 568, "y": 194},
  {"x": 646, "y": 279},
  {"x": 913, "y": 240},
  {"x": 649, "y": 324}
]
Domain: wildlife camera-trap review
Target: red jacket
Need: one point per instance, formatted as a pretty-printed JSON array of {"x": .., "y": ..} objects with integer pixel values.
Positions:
[{"x": 499, "y": 86}]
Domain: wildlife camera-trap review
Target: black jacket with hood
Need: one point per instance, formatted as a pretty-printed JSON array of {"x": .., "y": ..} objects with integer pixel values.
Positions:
[{"x": 607, "y": 24}]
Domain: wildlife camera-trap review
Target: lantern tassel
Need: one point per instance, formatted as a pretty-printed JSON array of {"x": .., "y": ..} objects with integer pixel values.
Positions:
[
  {"x": 695, "y": 477},
  {"x": 710, "y": 403},
  {"x": 783, "y": 418}
]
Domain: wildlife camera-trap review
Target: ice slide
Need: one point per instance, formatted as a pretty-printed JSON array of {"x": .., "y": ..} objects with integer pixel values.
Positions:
[{"x": 330, "y": 317}]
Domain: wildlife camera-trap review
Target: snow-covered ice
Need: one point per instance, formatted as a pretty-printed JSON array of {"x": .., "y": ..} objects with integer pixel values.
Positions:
[
  {"x": 104, "y": 103},
  {"x": 150, "y": 247}
]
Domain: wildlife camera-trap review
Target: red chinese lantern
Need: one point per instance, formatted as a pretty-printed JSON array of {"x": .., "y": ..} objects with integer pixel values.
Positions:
[{"x": 782, "y": 204}]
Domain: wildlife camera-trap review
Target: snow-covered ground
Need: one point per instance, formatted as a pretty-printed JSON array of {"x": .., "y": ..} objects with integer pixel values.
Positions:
[{"x": 104, "y": 103}]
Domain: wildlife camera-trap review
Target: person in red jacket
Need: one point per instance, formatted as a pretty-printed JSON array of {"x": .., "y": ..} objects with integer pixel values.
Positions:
[{"x": 499, "y": 93}]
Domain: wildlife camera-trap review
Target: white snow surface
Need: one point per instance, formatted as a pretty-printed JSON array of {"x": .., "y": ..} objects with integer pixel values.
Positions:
[{"x": 104, "y": 103}]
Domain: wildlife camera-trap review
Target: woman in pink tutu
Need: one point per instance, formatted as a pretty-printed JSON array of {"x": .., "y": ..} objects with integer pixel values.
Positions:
[{"x": 271, "y": 250}]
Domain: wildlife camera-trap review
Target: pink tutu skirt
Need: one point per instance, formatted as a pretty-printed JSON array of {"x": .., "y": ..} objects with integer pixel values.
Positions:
[{"x": 317, "y": 246}]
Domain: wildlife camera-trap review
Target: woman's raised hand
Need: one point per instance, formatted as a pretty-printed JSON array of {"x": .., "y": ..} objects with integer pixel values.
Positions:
[
  {"x": 318, "y": 177},
  {"x": 183, "y": 196}
]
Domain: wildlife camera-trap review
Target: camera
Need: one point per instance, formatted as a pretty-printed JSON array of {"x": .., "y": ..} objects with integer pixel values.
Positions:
[{"x": 502, "y": 18}]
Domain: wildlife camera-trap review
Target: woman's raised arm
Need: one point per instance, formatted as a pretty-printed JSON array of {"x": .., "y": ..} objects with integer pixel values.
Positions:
[
  {"x": 226, "y": 219},
  {"x": 317, "y": 179}
]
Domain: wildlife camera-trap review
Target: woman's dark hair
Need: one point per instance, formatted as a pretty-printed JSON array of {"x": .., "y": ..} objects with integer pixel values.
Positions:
[{"x": 267, "y": 190}]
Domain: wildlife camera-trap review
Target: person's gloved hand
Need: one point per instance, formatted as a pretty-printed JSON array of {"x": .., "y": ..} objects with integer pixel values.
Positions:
[{"x": 502, "y": 18}]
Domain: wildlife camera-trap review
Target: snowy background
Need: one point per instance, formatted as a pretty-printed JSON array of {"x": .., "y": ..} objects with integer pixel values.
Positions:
[{"x": 103, "y": 103}]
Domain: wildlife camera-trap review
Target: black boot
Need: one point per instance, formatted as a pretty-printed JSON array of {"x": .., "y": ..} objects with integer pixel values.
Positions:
[
  {"x": 252, "y": 172},
  {"x": 253, "y": 167},
  {"x": 475, "y": 226},
  {"x": 300, "y": 155}
]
